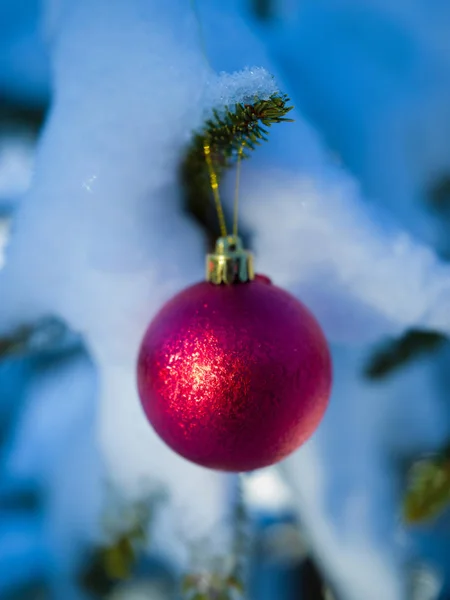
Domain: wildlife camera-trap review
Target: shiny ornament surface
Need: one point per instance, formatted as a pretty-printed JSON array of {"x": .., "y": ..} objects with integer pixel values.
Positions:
[{"x": 234, "y": 377}]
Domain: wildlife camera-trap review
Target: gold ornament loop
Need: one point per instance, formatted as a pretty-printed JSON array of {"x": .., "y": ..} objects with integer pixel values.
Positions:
[{"x": 230, "y": 263}]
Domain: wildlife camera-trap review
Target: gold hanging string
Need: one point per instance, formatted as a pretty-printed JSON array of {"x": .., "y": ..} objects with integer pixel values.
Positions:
[
  {"x": 236, "y": 190},
  {"x": 215, "y": 189}
]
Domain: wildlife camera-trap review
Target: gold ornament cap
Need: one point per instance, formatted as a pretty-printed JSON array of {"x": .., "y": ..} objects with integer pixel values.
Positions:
[{"x": 230, "y": 263}]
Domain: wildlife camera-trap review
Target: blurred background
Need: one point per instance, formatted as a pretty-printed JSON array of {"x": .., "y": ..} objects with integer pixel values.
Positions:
[{"x": 360, "y": 512}]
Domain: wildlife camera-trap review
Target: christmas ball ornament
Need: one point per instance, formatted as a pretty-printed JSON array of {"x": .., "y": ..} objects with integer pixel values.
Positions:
[{"x": 234, "y": 373}]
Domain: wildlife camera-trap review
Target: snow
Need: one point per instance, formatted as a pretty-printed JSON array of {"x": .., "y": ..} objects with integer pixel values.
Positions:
[
  {"x": 101, "y": 242},
  {"x": 383, "y": 87},
  {"x": 109, "y": 215},
  {"x": 228, "y": 89},
  {"x": 266, "y": 492},
  {"x": 4, "y": 235},
  {"x": 366, "y": 273},
  {"x": 374, "y": 574},
  {"x": 362, "y": 278},
  {"x": 101, "y": 214},
  {"x": 348, "y": 500},
  {"x": 16, "y": 164},
  {"x": 59, "y": 414}
]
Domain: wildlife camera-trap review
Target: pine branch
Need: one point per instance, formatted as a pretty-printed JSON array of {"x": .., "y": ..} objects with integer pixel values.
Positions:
[
  {"x": 16, "y": 114},
  {"x": 219, "y": 583},
  {"x": 244, "y": 127},
  {"x": 46, "y": 335},
  {"x": 241, "y": 537},
  {"x": 127, "y": 528},
  {"x": 398, "y": 353},
  {"x": 428, "y": 489}
]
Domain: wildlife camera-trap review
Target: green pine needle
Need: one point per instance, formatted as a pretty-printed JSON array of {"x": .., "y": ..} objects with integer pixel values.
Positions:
[
  {"x": 246, "y": 126},
  {"x": 398, "y": 353},
  {"x": 46, "y": 335},
  {"x": 428, "y": 490}
]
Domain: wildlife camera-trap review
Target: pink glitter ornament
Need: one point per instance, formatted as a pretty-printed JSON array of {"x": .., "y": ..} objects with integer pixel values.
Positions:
[{"x": 234, "y": 377}]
